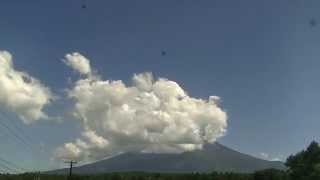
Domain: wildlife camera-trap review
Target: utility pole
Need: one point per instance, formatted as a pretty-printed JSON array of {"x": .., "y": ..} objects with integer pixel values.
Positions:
[
  {"x": 37, "y": 176},
  {"x": 71, "y": 166}
]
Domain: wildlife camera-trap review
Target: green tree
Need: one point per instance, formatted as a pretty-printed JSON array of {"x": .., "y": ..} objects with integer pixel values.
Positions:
[
  {"x": 305, "y": 165},
  {"x": 270, "y": 174}
]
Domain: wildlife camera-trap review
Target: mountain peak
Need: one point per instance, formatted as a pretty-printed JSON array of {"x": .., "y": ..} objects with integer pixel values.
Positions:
[{"x": 213, "y": 157}]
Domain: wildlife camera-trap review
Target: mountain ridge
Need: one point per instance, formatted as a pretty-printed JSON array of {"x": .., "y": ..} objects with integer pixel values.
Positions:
[{"x": 212, "y": 157}]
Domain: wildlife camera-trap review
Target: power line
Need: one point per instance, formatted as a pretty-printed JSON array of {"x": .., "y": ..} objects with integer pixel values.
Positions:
[
  {"x": 24, "y": 138},
  {"x": 9, "y": 169},
  {"x": 15, "y": 130},
  {"x": 13, "y": 165},
  {"x": 9, "y": 129},
  {"x": 2, "y": 171},
  {"x": 16, "y": 126},
  {"x": 70, "y": 169}
]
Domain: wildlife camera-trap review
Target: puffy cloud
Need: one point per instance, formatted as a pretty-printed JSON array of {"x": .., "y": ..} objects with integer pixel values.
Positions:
[
  {"x": 69, "y": 151},
  {"x": 147, "y": 116},
  {"x": 20, "y": 92},
  {"x": 78, "y": 62},
  {"x": 94, "y": 139},
  {"x": 276, "y": 159},
  {"x": 266, "y": 156}
]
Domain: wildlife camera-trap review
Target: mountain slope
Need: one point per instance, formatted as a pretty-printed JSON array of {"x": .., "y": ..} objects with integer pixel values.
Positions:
[{"x": 212, "y": 157}]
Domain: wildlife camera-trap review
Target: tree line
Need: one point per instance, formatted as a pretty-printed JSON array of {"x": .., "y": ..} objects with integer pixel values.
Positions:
[{"x": 305, "y": 165}]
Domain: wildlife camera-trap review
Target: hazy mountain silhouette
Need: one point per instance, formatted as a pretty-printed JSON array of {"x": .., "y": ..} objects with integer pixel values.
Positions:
[{"x": 213, "y": 157}]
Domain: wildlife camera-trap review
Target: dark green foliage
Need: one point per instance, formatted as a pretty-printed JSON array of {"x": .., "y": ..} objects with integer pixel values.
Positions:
[
  {"x": 270, "y": 174},
  {"x": 138, "y": 176},
  {"x": 305, "y": 165}
]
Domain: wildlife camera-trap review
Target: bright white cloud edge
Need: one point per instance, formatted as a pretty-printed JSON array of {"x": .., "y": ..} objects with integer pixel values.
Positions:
[
  {"x": 22, "y": 93},
  {"x": 147, "y": 116}
]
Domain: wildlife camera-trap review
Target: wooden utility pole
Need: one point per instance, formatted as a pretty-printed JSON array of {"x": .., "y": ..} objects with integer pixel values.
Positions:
[
  {"x": 71, "y": 166},
  {"x": 37, "y": 176}
]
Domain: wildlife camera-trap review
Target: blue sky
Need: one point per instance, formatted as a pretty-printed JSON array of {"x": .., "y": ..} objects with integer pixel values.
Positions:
[{"x": 260, "y": 57}]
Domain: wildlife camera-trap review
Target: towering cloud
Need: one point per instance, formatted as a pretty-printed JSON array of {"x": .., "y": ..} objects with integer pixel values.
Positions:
[
  {"x": 147, "y": 116},
  {"x": 21, "y": 93}
]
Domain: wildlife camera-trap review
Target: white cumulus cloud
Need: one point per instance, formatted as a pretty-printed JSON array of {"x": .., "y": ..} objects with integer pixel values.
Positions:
[
  {"x": 69, "y": 151},
  {"x": 147, "y": 116},
  {"x": 266, "y": 156},
  {"x": 20, "y": 92},
  {"x": 78, "y": 62}
]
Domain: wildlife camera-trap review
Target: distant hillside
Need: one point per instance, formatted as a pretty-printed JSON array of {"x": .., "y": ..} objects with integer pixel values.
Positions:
[{"x": 213, "y": 157}]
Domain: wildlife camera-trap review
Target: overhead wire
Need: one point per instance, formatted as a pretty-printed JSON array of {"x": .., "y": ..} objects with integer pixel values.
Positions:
[
  {"x": 15, "y": 166},
  {"x": 16, "y": 135},
  {"x": 17, "y": 127},
  {"x": 16, "y": 132},
  {"x": 9, "y": 169}
]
